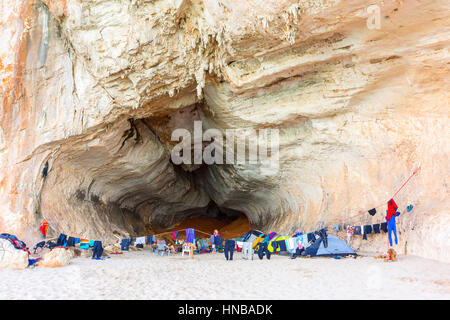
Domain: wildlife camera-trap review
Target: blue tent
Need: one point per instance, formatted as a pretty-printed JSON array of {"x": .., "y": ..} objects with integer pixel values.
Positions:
[{"x": 333, "y": 247}]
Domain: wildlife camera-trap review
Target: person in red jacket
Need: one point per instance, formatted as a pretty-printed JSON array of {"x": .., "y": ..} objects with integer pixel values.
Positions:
[
  {"x": 391, "y": 214},
  {"x": 44, "y": 227}
]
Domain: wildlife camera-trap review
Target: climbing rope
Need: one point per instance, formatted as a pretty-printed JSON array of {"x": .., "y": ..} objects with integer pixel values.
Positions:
[{"x": 383, "y": 204}]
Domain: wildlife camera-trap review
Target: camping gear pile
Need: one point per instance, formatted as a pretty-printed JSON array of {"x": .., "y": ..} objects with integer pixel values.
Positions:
[{"x": 14, "y": 253}]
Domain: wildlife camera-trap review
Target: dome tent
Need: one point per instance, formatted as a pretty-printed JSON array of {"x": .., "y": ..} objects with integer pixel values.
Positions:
[{"x": 335, "y": 247}]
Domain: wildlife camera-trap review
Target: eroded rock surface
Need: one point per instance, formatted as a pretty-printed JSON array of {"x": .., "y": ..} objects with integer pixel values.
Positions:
[
  {"x": 58, "y": 257},
  {"x": 12, "y": 258},
  {"x": 95, "y": 88}
]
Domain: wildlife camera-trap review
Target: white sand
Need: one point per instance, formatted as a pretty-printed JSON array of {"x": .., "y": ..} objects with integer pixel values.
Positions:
[{"x": 143, "y": 275}]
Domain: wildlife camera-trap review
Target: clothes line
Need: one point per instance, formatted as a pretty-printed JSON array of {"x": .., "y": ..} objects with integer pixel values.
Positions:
[
  {"x": 383, "y": 204},
  {"x": 380, "y": 205},
  {"x": 168, "y": 232},
  {"x": 108, "y": 240},
  {"x": 206, "y": 233}
]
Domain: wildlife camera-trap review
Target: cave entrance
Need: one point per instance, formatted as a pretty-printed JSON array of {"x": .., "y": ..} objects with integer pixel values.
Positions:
[
  {"x": 230, "y": 223},
  {"x": 123, "y": 183}
]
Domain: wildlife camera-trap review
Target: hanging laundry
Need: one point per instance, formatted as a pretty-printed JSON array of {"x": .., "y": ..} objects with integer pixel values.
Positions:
[
  {"x": 125, "y": 244},
  {"x": 61, "y": 240},
  {"x": 239, "y": 245},
  {"x": 38, "y": 245},
  {"x": 271, "y": 235},
  {"x": 274, "y": 246},
  {"x": 154, "y": 238},
  {"x": 299, "y": 242},
  {"x": 350, "y": 232},
  {"x": 190, "y": 235},
  {"x": 77, "y": 240},
  {"x": 363, "y": 233},
  {"x": 367, "y": 230},
  {"x": 392, "y": 209},
  {"x": 117, "y": 243},
  {"x": 298, "y": 251},
  {"x": 305, "y": 240},
  {"x": 383, "y": 227},
  {"x": 409, "y": 208},
  {"x": 266, "y": 239},
  {"x": 357, "y": 230},
  {"x": 322, "y": 233},
  {"x": 372, "y": 211},
  {"x": 291, "y": 243},
  {"x": 98, "y": 250},
  {"x": 351, "y": 229},
  {"x": 263, "y": 250},
  {"x": 336, "y": 227},
  {"x": 84, "y": 244},
  {"x": 175, "y": 235},
  {"x": 44, "y": 228},
  {"x": 310, "y": 237},
  {"x": 247, "y": 250},
  {"x": 91, "y": 243},
  {"x": 71, "y": 242},
  {"x": 376, "y": 228},
  {"x": 229, "y": 249},
  {"x": 282, "y": 245},
  {"x": 140, "y": 241}
]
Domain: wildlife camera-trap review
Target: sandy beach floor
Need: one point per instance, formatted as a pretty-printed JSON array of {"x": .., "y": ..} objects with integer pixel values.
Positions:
[{"x": 144, "y": 275}]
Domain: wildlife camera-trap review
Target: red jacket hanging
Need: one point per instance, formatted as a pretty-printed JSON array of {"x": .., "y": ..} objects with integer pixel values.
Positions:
[
  {"x": 44, "y": 227},
  {"x": 392, "y": 208}
]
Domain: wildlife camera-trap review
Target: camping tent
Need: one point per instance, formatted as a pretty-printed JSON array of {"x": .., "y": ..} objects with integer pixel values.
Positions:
[{"x": 336, "y": 247}]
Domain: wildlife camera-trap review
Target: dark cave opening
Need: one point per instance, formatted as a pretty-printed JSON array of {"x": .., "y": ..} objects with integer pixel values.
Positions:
[{"x": 229, "y": 222}]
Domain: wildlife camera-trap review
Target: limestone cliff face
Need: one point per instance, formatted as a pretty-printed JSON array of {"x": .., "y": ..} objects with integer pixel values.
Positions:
[{"x": 95, "y": 88}]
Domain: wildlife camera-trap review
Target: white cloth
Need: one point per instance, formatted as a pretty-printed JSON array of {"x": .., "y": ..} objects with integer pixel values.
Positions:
[
  {"x": 299, "y": 242},
  {"x": 305, "y": 240},
  {"x": 290, "y": 243},
  {"x": 140, "y": 240},
  {"x": 247, "y": 251}
]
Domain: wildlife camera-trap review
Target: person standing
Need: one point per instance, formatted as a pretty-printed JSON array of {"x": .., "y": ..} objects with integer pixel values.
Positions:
[
  {"x": 391, "y": 225},
  {"x": 216, "y": 237}
]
